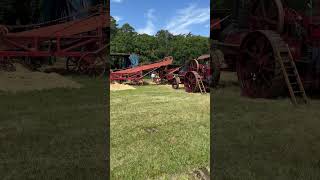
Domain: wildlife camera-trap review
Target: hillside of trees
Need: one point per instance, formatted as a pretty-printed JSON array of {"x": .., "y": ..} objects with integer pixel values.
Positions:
[{"x": 182, "y": 48}]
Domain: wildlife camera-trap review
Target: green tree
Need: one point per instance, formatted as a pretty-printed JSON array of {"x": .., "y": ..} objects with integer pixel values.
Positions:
[
  {"x": 113, "y": 27},
  {"x": 152, "y": 48}
]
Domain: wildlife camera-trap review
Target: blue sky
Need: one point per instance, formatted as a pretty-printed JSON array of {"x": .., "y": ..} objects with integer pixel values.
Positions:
[{"x": 177, "y": 16}]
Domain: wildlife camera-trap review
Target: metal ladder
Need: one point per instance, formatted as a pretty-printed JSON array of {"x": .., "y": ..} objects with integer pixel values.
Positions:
[
  {"x": 201, "y": 86},
  {"x": 292, "y": 77}
]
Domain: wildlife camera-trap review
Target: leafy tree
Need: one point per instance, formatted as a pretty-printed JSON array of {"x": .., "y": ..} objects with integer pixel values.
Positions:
[
  {"x": 113, "y": 27},
  {"x": 152, "y": 48}
]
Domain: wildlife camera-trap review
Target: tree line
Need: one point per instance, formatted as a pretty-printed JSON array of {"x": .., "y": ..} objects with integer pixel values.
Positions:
[{"x": 150, "y": 48}]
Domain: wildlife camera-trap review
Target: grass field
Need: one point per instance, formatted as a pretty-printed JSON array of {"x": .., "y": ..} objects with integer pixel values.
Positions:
[
  {"x": 264, "y": 139},
  {"x": 158, "y": 133},
  {"x": 53, "y": 134}
]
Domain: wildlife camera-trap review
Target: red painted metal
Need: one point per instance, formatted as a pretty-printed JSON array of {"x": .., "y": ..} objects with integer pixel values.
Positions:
[
  {"x": 65, "y": 29},
  {"x": 68, "y": 39},
  {"x": 199, "y": 68},
  {"x": 166, "y": 61},
  {"x": 136, "y": 73}
]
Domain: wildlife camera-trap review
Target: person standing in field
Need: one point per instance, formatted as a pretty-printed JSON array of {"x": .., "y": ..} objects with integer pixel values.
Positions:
[{"x": 153, "y": 75}]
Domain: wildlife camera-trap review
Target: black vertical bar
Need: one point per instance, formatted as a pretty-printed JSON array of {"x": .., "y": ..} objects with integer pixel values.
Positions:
[{"x": 107, "y": 94}]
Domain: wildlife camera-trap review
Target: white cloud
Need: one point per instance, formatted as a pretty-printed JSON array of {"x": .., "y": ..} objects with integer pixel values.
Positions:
[
  {"x": 117, "y": 1},
  {"x": 188, "y": 17},
  {"x": 150, "y": 27},
  {"x": 117, "y": 18}
]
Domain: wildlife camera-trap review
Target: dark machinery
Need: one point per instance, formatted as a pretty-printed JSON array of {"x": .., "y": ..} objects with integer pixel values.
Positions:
[{"x": 272, "y": 47}]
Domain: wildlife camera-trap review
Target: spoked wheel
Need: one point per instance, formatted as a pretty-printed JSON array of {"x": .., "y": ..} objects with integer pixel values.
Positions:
[
  {"x": 92, "y": 64},
  {"x": 267, "y": 15},
  {"x": 190, "y": 82},
  {"x": 83, "y": 65},
  {"x": 99, "y": 65},
  {"x": 194, "y": 65},
  {"x": 175, "y": 83},
  {"x": 72, "y": 64},
  {"x": 258, "y": 71}
]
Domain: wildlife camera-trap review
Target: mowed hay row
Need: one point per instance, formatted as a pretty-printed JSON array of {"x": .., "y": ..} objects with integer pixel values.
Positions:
[{"x": 25, "y": 80}]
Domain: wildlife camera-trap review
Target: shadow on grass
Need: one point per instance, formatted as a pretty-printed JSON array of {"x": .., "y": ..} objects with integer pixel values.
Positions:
[{"x": 265, "y": 139}]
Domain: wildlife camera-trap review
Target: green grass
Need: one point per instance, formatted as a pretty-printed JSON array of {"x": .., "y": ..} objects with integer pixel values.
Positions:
[
  {"x": 53, "y": 134},
  {"x": 264, "y": 139},
  {"x": 158, "y": 133}
]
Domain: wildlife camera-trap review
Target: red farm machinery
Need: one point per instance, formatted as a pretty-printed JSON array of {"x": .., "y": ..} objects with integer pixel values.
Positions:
[
  {"x": 81, "y": 41},
  {"x": 196, "y": 75},
  {"x": 135, "y": 75},
  {"x": 274, "y": 48}
]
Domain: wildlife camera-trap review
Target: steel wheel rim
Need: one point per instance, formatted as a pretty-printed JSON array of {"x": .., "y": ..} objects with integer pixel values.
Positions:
[
  {"x": 190, "y": 82},
  {"x": 256, "y": 68}
]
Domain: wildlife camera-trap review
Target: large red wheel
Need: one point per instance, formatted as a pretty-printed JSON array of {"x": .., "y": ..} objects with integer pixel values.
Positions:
[
  {"x": 191, "y": 82},
  {"x": 258, "y": 70},
  {"x": 266, "y": 14}
]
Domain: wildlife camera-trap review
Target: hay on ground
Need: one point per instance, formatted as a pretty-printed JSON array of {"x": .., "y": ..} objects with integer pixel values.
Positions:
[
  {"x": 25, "y": 80},
  {"x": 118, "y": 87}
]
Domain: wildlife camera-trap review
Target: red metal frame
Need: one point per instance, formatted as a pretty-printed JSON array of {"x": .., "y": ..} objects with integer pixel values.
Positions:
[
  {"x": 135, "y": 74},
  {"x": 60, "y": 40}
]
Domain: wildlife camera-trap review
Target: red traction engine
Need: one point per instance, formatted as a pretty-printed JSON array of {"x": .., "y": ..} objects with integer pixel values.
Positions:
[
  {"x": 196, "y": 75},
  {"x": 254, "y": 34}
]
